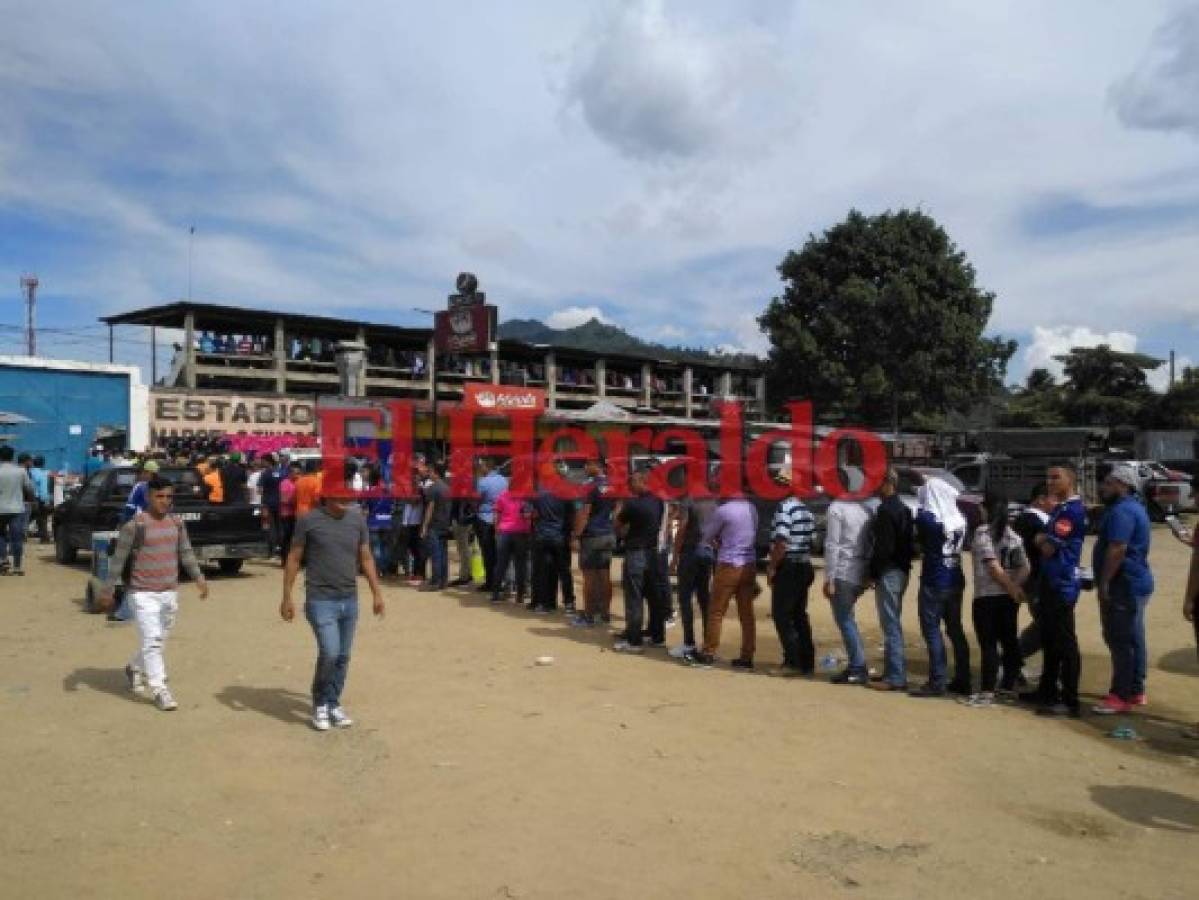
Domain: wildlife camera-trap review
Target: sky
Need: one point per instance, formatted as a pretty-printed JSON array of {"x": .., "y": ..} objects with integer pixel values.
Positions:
[{"x": 648, "y": 162}]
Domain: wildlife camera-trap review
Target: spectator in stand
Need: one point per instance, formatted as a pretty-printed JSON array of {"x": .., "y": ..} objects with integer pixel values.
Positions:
[
  {"x": 287, "y": 509},
  {"x": 513, "y": 522},
  {"x": 890, "y": 567},
  {"x": 308, "y": 489},
  {"x": 1125, "y": 584}
]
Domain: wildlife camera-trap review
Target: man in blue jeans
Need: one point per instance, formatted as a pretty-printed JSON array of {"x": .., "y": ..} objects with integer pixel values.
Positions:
[
  {"x": 890, "y": 567},
  {"x": 331, "y": 542},
  {"x": 1125, "y": 584},
  {"x": 940, "y": 531},
  {"x": 846, "y": 555}
]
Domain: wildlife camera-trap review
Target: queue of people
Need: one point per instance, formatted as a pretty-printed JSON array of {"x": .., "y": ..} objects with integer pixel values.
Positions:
[{"x": 525, "y": 547}]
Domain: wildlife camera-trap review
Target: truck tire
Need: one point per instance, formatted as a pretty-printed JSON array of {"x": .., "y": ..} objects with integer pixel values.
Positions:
[
  {"x": 63, "y": 551},
  {"x": 230, "y": 566}
]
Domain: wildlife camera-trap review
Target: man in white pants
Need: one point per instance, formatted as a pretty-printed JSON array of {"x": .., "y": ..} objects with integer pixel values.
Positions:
[{"x": 154, "y": 543}]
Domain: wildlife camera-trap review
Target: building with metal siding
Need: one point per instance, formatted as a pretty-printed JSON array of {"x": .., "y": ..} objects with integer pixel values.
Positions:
[{"x": 69, "y": 403}]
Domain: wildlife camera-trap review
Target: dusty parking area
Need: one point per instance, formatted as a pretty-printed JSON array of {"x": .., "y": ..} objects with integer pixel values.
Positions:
[{"x": 471, "y": 772}]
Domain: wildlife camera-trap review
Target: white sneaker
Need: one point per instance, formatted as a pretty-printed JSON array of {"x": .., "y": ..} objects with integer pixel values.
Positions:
[
  {"x": 339, "y": 718},
  {"x": 164, "y": 701},
  {"x": 320, "y": 718},
  {"x": 681, "y": 650},
  {"x": 626, "y": 647},
  {"x": 135, "y": 679}
]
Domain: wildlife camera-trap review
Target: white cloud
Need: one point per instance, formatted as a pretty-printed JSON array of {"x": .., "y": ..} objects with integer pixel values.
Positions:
[
  {"x": 571, "y": 316},
  {"x": 670, "y": 86},
  {"x": 1048, "y": 343}
]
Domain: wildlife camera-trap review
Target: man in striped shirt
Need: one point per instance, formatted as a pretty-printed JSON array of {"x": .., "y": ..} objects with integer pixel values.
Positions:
[
  {"x": 789, "y": 573},
  {"x": 155, "y": 545}
]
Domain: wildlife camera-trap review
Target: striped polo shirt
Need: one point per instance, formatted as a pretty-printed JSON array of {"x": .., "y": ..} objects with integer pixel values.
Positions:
[
  {"x": 794, "y": 525},
  {"x": 156, "y": 564}
]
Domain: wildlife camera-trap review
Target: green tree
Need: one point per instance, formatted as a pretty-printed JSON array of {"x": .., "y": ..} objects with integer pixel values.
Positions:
[
  {"x": 1038, "y": 404},
  {"x": 880, "y": 319},
  {"x": 1108, "y": 387}
]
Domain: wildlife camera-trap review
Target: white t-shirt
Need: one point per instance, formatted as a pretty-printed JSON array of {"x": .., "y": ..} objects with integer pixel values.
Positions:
[{"x": 1009, "y": 553}]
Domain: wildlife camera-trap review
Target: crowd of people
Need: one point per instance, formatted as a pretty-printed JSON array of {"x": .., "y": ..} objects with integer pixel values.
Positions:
[{"x": 525, "y": 545}]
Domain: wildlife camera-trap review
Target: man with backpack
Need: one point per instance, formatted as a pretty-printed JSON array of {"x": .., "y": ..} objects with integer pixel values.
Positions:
[{"x": 150, "y": 549}]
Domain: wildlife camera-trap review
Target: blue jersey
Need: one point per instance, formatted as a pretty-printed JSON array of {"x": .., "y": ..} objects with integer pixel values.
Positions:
[
  {"x": 1126, "y": 522},
  {"x": 941, "y": 553},
  {"x": 136, "y": 503},
  {"x": 1065, "y": 530}
]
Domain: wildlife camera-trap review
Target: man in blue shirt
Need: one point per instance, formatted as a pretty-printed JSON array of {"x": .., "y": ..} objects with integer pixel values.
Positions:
[
  {"x": 1125, "y": 583},
  {"x": 138, "y": 498},
  {"x": 596, "y": 540},
  {"x": 1060, "y": 546},
  {"x": 41, "y": 504},
  {"x": 489, "y": 487}
]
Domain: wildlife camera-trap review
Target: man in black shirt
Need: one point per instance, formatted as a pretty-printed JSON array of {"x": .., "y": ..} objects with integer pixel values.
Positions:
[
  {"x": 639, "y": 519},
  {"x": 1028, "y": 525},
  {"x": 552, "y": 518},
  {"x": 890, "y": 566}
]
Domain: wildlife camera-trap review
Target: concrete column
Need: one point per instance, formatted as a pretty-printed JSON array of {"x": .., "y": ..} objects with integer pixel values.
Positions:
[
  {"x": 647, "y": 388},
  {"x": 601, "y": 378},
  {"x": 189, "y": 350},
  {"x": 280, "y": 357},
  {"x": 688, "y": 380},
  {"x": 724, "y": 387},
  {"x": 495, "y": 364},
  {"x": 551, "y": 381},
  {"x": 430, "y": 367},
  {"x": 351, "y": 368},
  {"x": 760, "y": 395}
]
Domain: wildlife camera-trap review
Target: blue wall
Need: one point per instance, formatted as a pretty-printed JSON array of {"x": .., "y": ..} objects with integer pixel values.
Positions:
[{"x": 56, "y": 400}]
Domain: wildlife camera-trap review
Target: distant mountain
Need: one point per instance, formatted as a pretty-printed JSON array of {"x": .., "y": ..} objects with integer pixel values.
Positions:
[{"x": 598, "y": 337}]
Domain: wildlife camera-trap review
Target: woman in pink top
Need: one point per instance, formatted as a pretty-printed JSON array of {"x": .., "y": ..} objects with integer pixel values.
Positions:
[
  {"x": 513, "y": 524},
  {"x": 287, "y": 508}
]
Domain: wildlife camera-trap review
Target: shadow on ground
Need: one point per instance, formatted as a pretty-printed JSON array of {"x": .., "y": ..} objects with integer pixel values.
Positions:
[
  {"x": 278, "y": 703},
  {"x": 106, "y": 681},
  {"x": 1149, "y": 807},
  {"x": 1183, "y": 661}
]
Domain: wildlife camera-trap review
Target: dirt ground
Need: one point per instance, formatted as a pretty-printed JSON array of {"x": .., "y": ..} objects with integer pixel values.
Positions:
[{"x": 473, "y": 773}]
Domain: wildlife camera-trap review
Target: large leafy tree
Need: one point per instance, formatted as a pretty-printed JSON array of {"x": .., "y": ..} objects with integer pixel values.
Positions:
[
  {"x": 1038, "y": 404},
  {"x": 880, "y": 319},
  {"x": 1108, "y": 387}
]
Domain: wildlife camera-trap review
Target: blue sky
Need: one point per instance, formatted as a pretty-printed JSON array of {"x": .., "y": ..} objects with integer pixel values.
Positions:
[{"x": 648, "y": 161}]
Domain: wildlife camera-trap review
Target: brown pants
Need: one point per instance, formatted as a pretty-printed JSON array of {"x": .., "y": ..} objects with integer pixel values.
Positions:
[{"x": 728, "y": 582}]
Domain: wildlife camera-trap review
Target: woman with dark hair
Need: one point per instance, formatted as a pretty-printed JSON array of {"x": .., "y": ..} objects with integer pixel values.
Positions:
[{"x": 1000, "y": 568}]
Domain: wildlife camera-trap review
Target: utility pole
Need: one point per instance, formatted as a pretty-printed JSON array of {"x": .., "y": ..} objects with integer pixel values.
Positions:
[
  {"x": 191, "y": 237},
  {"x": 1171, "y": 368},
  {"x": 29, "y": 287}
]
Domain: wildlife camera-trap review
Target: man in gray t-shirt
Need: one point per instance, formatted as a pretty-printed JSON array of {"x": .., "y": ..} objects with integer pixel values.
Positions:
[{"x": 332, "y": 542}]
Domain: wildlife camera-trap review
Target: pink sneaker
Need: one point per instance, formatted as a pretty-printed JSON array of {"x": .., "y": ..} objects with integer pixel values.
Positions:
[
  {"x": 1139, "y": 700},
  {"x": 1111, "y": 705}
]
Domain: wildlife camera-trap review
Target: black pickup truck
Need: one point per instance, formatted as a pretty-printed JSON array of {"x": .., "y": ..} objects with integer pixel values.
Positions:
[{"x": 224, "y": 534}]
